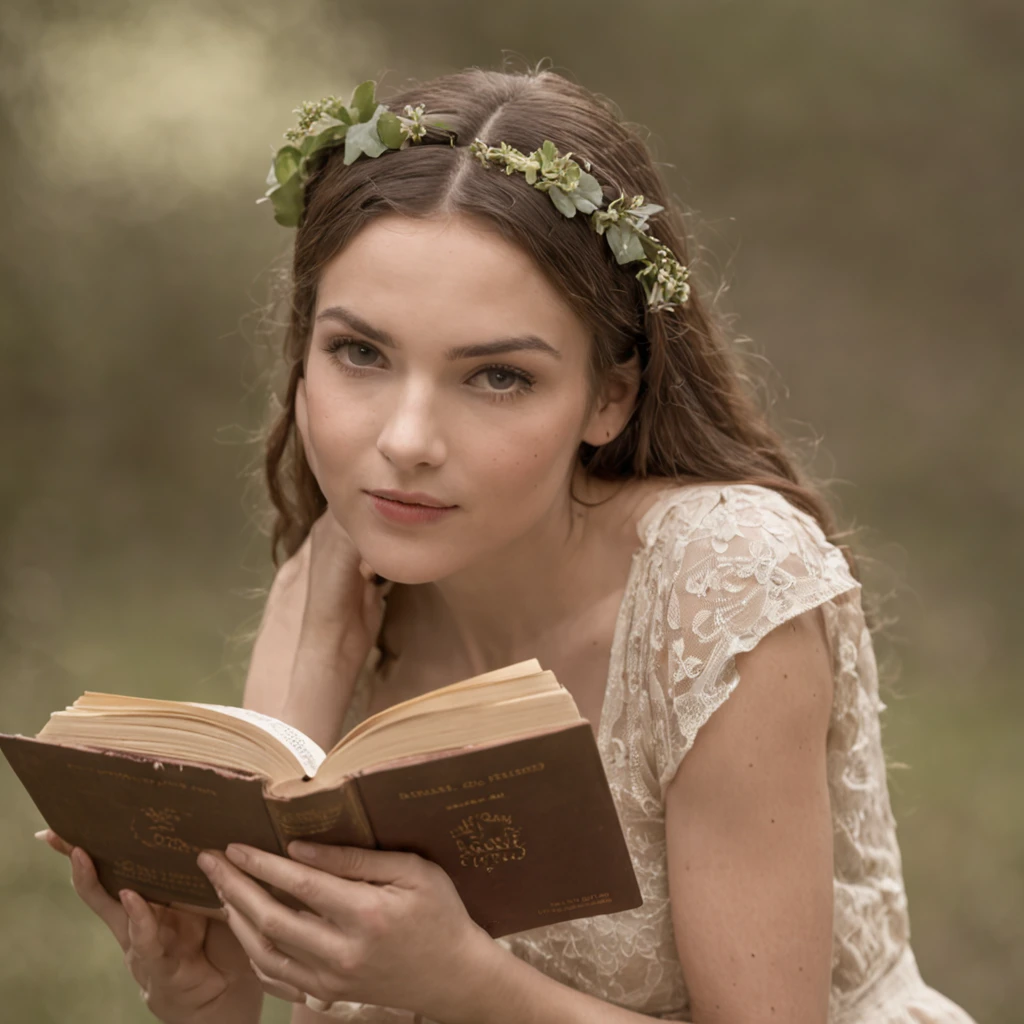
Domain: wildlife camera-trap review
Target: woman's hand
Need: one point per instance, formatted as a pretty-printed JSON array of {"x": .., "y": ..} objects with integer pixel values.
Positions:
[
  {"x": 339, "y": 587},
  {"x": 191, "y": 969},
  {"x": 387, "y": 928}
]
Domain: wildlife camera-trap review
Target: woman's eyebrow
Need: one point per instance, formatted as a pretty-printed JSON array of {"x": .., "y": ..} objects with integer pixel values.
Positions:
[{"x": 515, "y": 344}]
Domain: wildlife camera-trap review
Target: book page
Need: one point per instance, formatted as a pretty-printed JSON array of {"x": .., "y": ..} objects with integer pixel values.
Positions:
[
  {"x": 477, "y": 689},
  {"x": 309, "y": 755},
  {"x": 449, "y": 728}
]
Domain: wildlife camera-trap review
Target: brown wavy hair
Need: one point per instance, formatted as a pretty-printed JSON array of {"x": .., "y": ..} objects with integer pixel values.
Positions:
[{"x": 696, "y": 413}]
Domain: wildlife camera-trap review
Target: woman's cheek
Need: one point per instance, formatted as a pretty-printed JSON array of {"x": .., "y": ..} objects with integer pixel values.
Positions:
[
  {"x": 525, "y": 475},
  {"x": 333, "y": 457}
]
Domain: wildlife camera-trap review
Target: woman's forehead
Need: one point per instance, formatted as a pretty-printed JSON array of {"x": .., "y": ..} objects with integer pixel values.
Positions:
[
  {"x": 424, "y": 249},
  {"x": 447, "y": 271}
]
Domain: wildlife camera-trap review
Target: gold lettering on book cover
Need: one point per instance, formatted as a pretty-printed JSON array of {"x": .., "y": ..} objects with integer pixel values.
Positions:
[
  {"x": 447, "y": 787},
  {"x": 194, "y": 884},
  {"x": 573, "y": 903},
  {"x": 310, "y": 820},
  {"x": 142, "y": 780},
  {"x": 474, "y": 800},
  {"x": 528, "y": 769},
  {"x": 415, "y": 794},
  {"x": 157, "y": 829},
  {"x": 485, "y": 840}
]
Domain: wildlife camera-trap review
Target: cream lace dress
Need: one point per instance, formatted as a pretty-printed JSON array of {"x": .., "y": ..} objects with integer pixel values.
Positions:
[{"x": 718, "y": 567}]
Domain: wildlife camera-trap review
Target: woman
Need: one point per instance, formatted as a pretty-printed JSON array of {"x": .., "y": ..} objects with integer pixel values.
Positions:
[{"x": 604, "y": 496}]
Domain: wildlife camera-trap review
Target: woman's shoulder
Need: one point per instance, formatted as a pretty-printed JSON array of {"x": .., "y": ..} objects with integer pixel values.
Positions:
[
  {"x": 741, "y": 532},
  {"x": 727, "y": 563},
  {"x": 690, "y": 505}
]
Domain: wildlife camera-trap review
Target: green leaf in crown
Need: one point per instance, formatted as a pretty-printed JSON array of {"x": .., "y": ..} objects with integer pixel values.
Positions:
[
  {"x": 368, "y": 128},
  {"x": 623, "y": 223},
  {"x": 365, "y": 128}
]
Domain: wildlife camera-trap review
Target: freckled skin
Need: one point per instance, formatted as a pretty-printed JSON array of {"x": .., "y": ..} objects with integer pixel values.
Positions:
[{"x": 422, "y": 422}]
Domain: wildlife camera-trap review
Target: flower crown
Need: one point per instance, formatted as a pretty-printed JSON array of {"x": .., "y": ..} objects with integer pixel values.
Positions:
[{"x": 368, "y": 128}]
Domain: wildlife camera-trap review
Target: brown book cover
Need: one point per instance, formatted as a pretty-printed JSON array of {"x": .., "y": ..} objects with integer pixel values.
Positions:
[{"x": 526, "y": 829}]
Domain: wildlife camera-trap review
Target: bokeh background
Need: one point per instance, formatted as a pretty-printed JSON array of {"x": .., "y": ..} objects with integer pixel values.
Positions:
[{"x": 853, "y": 175}]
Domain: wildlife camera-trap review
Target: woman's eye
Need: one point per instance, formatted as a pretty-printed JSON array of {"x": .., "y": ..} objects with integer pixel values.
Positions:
[
  {"x": 502, "y": 382},
  {"x": 358, "y": 352}
]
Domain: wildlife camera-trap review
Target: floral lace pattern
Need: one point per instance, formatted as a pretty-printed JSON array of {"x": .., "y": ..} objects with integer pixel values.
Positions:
[{"x": 719, "y": 567}]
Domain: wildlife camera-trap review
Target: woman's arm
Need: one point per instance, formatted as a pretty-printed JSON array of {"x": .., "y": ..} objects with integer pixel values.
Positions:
[
  {"x": 324, "y": 677},
  {"x": 321, "y": 619},
  {"x": 273, "y": 651},
  {"x": 749, "y": 834}
]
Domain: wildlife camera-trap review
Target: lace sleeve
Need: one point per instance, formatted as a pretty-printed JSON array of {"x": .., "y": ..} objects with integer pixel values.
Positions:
[{"x": 749, "y": 564}]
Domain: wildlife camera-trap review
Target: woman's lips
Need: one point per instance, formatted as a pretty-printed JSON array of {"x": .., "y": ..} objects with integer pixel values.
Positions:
[{"x": 399, "y": 512}]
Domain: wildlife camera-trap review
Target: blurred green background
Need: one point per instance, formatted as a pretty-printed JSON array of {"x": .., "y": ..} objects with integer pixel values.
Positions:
[{"x": 853, "y": 173}]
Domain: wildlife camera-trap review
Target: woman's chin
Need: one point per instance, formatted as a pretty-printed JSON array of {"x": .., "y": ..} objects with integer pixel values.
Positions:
[
  {"x": 403, "y": 572},
  {"x": 411, "y": 559}
]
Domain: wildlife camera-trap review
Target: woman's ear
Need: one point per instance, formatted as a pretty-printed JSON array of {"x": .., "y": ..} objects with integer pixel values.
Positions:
[
  {"x": 615, "y": 404},
  {"x": 302, "y": 423}
]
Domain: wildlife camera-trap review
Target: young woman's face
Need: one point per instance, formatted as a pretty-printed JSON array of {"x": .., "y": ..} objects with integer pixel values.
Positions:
[{"x": 399, "y": 394}]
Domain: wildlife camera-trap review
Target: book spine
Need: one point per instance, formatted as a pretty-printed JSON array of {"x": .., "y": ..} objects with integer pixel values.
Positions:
[{"x": 334, "y": 816}]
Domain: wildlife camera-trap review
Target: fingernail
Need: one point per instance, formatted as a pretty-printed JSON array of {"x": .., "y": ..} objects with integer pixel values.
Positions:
[
  {"x": 303, "y": 851},
  {"x": 236, "y": 854},
  {"x": 41, "y": 834},
  {"x": 207, "y": 862},
  {"x": 78, "y": 858},
  {"x": 126, "y": 901}
]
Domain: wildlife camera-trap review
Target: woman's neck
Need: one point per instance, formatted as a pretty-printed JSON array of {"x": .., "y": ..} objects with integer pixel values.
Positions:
[{"x": 530, "y": 599}]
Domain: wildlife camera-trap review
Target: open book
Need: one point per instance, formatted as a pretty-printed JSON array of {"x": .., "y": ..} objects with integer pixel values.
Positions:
[{"x": 496, "y": 778}]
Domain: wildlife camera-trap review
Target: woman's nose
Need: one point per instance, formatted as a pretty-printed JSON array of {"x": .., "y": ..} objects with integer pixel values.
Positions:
[{"x": 412, "y": 433}]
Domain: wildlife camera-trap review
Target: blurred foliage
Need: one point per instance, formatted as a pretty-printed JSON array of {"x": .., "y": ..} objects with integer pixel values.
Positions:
[{"x": 853, "y": 177}]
